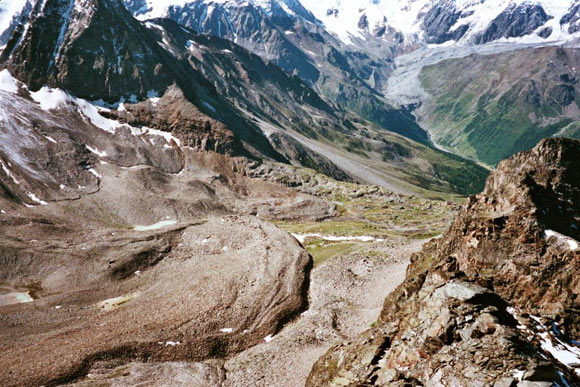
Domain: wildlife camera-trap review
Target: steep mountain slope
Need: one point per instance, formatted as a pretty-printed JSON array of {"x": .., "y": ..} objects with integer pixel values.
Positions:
[
  {"x": 287, "y": 34},
  {"x": 481, "y": 107},
  {"x": 498, "y": 292},
  {"x": 348, "y": 50}
]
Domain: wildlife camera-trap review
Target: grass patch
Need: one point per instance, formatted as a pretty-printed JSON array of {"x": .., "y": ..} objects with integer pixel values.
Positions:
[{"x": 323, "y": 250}]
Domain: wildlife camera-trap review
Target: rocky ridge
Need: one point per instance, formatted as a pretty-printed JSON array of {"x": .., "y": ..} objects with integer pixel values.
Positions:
[{"x": 498, "y": 291}]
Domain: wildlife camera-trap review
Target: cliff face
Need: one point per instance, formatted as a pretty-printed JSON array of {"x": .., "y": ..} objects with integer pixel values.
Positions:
[{"x": 495, "y": 300}]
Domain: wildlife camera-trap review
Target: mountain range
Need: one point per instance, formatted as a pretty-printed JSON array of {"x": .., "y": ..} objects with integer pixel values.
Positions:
[
  {"x": 370, "y": 42},
  {"x": 289, "y": 192}
]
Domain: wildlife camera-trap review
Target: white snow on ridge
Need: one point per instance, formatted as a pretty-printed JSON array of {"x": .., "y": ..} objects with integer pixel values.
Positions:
[
  {"x": 156, "y": 226},
  {"x": 35, "y": 198},
  {"x": 7, "y": 82},
  {"x": 94, "y": 172},
  {"x": 8, "y": 10},
  {"x": 49, "y": 98},
  {"x": 7, "y": 171},
  {"x": 96, "y": 151},
  {"x": 342, "y": 17},
  {"x": 159, "y": 8},
  {"x": 573, "y": 244}
]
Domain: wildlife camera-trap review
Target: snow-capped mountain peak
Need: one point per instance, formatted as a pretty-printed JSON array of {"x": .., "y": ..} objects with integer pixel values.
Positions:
[
  {"x": 159, "y": 8},
  {"x": 349, "y": 19},
  {"x": 458, "y": 20}
]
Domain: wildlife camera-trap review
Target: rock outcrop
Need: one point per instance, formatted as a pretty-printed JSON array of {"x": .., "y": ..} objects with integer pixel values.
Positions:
[
  {"x": 515, "y": 21},
  {"x": 572, "y": 19},
  {"x": 439, "y": 21},
  {"x": 493, "y": 302}
]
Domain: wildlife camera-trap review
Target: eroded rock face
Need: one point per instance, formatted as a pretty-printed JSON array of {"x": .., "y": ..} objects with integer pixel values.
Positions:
[
  {"x": 514, "y": 21},
  {"x": 439, "y": 20},
  {"x": 174, "y": 113},
  {"x": 507, "y": 267},
  {"x": 572, "y": 19}
]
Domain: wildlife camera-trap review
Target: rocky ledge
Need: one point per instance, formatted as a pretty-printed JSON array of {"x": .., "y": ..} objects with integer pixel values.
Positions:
[{"x": 494, "y": 301}]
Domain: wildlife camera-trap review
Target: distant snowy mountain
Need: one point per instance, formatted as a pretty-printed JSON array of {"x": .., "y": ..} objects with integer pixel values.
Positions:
[
  {"x": 157, "y": 8},
  {"x": 12, "y": 12},
  {"x": 358, "y": 41},
  {"x": 417, "y": 21},
  {"x": 440, "y": 21}
]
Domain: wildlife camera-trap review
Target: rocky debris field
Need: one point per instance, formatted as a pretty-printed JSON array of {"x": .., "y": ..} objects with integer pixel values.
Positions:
[
  {"x": 492, "y": 302},
  {"x": 345, "y": 298}
]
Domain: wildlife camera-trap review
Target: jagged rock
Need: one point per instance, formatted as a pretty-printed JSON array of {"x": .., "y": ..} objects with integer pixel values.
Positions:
[
  {"x": 438, "y": 21},
  {"x": 174, "y": 113},
  {"x": 545, "y": 32},
  {"x": 563, "y": 95},
  {"x": 451, "y": 318},
  {"x": 572, "y": 18},
  {"x": 514, "y": 21}
]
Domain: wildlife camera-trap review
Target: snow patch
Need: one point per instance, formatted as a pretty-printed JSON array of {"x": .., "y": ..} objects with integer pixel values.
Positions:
[
  {"x": 96, "y": 151},
  {"x": 519, "y": 375},
  {"x": 50, "y": 139},
  {"x": 7, "y": 82},
  {"x": 268, "y": 338},
  {"x": 49, "y": 98},
  {"x": 62, "y": 33},
  {"x": 550, "y": 342},
  {"x": 153, "y": 96},
  {"x": 207, "y": 105},
  {"x": 94, "y": 172},
  {"x": 7, "y": 171},
  {"x": 35, "y": 198},
  {"x": 156, "y": 226},
  {"x": 561, "y": 351},
  {"x": 573, "y": 244},
  {"x": 227, "y": 330},
  {"x": 15, "y": 298}
]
